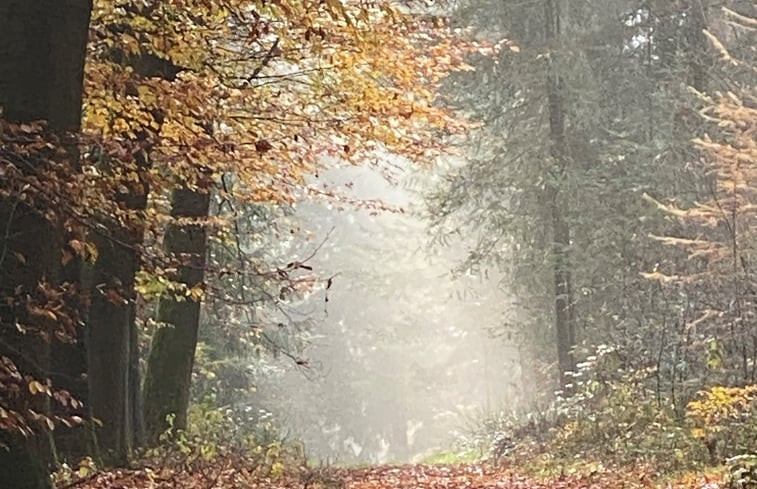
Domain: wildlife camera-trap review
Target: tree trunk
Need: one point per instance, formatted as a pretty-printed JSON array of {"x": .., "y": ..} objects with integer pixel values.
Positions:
[
  {"x": 134, "y": 388},
  {"x": 42, "y": 51},
  {"x": 564, "y": 321},
  {"x": 699, "y": 59},
  {"x": 112, "y": 348},
  {"x": 109, "y": 341},
  {"x": 169, "y": 366}
]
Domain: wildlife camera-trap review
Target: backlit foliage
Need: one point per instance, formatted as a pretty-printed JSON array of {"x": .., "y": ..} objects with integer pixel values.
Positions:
[
  {"x": 718, "y": 233},
  {"x": 722, "y": 414},
  {"x": 189, "y": 93},
  {"x": 257, "y": 95}
]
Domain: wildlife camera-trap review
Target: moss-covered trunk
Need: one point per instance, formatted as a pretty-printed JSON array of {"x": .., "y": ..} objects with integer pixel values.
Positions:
[
  {"x": 169, "y": 365},
  {"x": 42, "y": 51}
]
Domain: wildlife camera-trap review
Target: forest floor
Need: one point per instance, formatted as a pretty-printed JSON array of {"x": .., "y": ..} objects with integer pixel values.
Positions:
[{"x": 232, "y": 475}]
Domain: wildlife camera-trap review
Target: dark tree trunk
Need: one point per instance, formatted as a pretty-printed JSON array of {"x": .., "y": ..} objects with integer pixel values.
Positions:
[
  {"x": 169, "y": 365},
  {"x": 112, "y": 349},
  {"x": 42, "y": 51},
  {"x": 68, "y": 362},
  {"x": 564, "y": 321},
  {"x": 109, "y": 342},
  {"x": 698, "y": 57}
]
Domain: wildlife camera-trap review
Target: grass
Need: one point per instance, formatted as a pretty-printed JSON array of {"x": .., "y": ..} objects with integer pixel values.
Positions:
[{"x": 453, "y": 457}]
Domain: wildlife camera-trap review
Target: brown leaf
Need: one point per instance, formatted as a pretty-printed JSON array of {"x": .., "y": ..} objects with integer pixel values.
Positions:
[{"x": 262, "y": 146}]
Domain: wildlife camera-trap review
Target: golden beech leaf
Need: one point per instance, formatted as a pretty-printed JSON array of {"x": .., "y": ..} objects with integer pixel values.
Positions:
[
  {"x": 36, "y": 387},
  {"x": 92, "y": 252}
]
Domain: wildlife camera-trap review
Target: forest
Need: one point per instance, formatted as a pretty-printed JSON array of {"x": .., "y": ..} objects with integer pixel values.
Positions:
[{"x": 377, "y": 244}]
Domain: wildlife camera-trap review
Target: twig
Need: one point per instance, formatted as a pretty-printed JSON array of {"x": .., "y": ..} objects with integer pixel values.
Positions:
[
  {"x": 6, "y": 236},
  {"x": 265, "y": 62}
]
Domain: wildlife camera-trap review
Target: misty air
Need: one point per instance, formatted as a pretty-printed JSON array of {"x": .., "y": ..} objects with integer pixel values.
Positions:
[{"x": 348, "y": 244}]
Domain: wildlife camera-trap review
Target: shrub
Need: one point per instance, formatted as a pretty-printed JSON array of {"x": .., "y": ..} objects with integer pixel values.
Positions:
[
  {"x": 248, "y": 439},
  {"x": 723, "y": 418},
  {"x": 611, "y": 416}
]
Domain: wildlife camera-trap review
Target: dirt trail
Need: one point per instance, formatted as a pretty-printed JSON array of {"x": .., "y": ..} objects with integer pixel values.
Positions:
[
  {"x": 469, "y": 476},
  {"x": 234, "y": 475}
]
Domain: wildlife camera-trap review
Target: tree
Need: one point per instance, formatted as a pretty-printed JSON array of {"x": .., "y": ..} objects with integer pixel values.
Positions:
[
  {"x": 171, "y": 360},
  {"x": 561, "y": 240},
  {"x": 717, "y": 233},
  {"x": 265, "y": 116},
  {"x": 621, "y": 76},
  {"x": 178, "y": 97},
  {"x": 42, "y": 50}
]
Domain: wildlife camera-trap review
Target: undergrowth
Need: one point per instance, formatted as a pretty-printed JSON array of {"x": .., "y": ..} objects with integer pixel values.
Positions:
[{"x": 613, "y": 419}]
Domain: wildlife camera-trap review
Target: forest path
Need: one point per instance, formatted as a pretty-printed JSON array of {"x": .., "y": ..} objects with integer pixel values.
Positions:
[
  {"x": 441, "y": 476},
  {"x": 228, "y": 474},
  {"x": 488, "y": 476}
]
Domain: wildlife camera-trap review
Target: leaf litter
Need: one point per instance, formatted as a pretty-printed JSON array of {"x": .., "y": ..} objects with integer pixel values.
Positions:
[{"x": 233, "y": 475}]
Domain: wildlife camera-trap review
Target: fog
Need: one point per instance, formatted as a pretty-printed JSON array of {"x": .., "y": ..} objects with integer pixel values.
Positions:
[{"x": 401, "y": 360}]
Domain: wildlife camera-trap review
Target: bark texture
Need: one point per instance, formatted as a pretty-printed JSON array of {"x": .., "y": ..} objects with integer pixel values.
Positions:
[
  {"x": 42, "y": 51},
  {"x": 112, "y": 347},
  {"x": 113, "y": 350},
  {"x": 169, "y": 366},
  {"x": 564, "y": 320}
]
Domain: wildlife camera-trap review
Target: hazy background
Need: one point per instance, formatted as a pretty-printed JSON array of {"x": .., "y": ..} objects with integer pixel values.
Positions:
[{"x": 401, "y": 357}]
